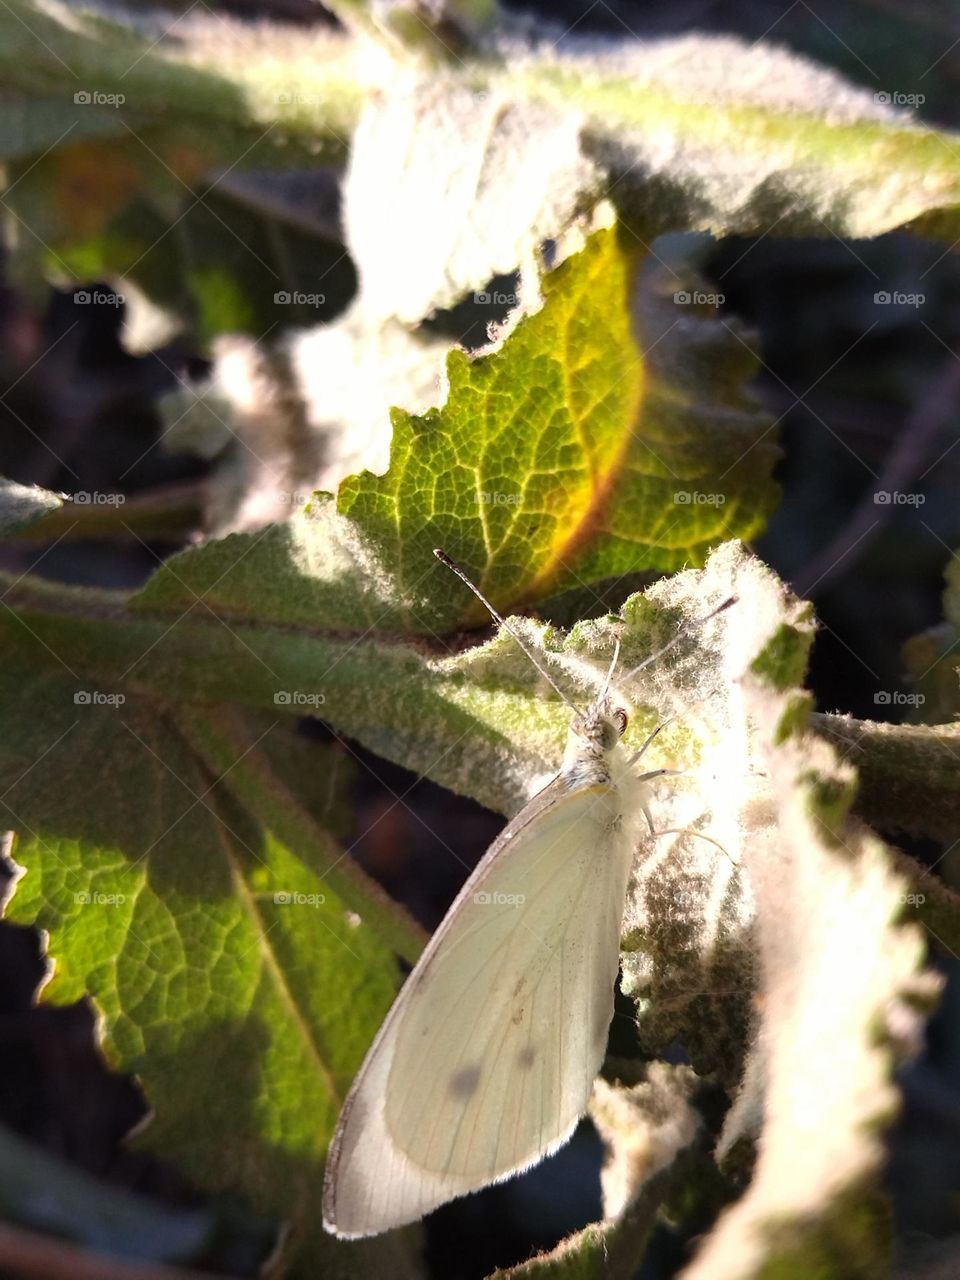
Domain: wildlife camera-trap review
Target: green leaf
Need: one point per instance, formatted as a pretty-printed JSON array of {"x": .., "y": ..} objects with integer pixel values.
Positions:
[
  {"x": 571, "y": 457},
  {"x": 719, "y": 134},
  {"x": 229, "y": 974},
  {"x": 108, "y": 127},
  {"x": 212, "y": 78},
  {"x": 564, "y": 458},
  {"x": 22, "y": 505},
  {"x": 908, "y": 773}
]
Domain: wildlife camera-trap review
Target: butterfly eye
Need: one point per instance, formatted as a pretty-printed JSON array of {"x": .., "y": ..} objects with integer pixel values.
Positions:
[{"x": 620, "y": 719}]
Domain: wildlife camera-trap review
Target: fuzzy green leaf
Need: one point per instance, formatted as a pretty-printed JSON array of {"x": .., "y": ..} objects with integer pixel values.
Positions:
[
  {"x": 572, "y": 456},
  {"x": 229, "y": 975},
  {"x": 597, "y": 442}
]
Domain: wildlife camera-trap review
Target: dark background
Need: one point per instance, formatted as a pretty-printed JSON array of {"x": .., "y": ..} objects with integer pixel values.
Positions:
[{"x": 851, "y": 381}]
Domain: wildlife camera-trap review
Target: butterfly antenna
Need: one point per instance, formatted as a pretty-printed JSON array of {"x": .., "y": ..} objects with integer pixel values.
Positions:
[
  {"x": 687, "y": 626},
  {"x": 613, "y": 666},
  {"x": 452, "y": 564}
]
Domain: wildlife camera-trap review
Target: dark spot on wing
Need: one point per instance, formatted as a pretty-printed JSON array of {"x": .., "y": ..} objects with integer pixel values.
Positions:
[
  {"x": 465, "y": 1082},
  {"x": 526, "y": 1058},
  {"x": 517, "y": 1017},
  {"x": 521, "y": 982}
]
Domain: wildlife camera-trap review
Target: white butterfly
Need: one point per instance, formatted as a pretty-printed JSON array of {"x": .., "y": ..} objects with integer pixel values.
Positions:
[{"x": 486, "y": 1061}]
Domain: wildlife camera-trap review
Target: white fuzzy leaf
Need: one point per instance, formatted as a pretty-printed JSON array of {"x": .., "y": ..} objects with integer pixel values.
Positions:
[
  {"x": 448, "y": 187},
  {"x": 350, "y": 374},
  {"x": 800, "y": 902},
  {"x": 738, "y": 136}
]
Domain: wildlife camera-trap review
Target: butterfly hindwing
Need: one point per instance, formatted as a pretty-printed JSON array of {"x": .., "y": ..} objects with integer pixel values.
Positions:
[{"x": 487, "y": 1058}]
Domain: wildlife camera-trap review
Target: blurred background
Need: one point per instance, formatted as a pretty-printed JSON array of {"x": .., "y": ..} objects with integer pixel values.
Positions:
[{"x": 860, "y": 347}]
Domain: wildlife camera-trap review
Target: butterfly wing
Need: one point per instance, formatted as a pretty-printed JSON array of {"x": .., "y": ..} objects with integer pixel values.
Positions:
[{"x": 488, "y": 1056}]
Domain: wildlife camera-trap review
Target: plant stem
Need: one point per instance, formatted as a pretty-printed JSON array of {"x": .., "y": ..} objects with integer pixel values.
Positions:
[{"x": 909, "y": 773}]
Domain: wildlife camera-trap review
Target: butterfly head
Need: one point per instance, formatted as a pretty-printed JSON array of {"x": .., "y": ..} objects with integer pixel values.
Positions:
[{"x": 600, "y": 727}]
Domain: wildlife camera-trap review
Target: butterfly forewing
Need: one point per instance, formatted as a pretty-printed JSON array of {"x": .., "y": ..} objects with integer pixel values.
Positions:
[{"x": 523, "y": 978}]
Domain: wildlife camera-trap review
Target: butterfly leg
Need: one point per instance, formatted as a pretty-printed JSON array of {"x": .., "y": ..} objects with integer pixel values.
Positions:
[
  {"x": 649, "y": 817},
  {"x": 648, "y": 777},
  {"x": 660, "y": 773}
]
